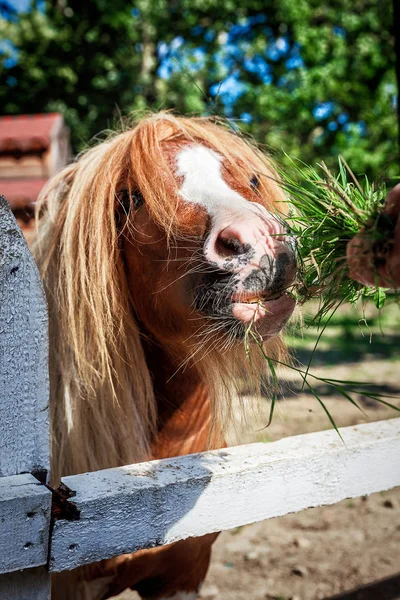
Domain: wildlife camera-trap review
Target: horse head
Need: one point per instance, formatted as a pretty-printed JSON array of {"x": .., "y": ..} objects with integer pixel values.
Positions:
[
  {"x": 170, "y": 231},
  {"x": 217, "y": 258}
]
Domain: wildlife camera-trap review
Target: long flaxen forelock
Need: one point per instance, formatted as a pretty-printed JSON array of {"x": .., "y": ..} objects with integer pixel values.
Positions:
[{"x": 103, "y": 409}]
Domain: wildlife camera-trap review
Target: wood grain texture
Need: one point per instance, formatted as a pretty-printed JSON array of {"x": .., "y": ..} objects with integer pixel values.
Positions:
[
  {"x": 25, "y": 507},
  {"x": 159, "y": 502},
  {"x": 24, "y": 418},
  {"x": 24, "y": 390}
]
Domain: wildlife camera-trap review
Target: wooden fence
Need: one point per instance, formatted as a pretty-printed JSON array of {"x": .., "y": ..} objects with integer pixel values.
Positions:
[{"x": 152, "y": 503}]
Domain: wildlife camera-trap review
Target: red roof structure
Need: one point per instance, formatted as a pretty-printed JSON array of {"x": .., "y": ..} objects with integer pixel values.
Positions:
[
  {"x": 27, "y": 134},
  {"x": 32, "y": 149},
  {"x": 21, "y": 193}
]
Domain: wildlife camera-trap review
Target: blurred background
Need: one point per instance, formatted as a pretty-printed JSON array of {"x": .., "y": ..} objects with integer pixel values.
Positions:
[{"x": 309, "y": 78}]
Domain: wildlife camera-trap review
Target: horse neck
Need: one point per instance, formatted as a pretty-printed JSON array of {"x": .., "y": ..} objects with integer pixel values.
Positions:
[{"x": 183, "y": 404}]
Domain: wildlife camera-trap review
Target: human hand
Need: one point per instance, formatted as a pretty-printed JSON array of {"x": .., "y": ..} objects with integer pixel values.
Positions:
[{"x": 377, "y": 263}]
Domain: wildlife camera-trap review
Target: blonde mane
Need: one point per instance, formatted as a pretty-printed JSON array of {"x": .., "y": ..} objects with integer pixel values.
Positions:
[{"x": 103, "y": 409}]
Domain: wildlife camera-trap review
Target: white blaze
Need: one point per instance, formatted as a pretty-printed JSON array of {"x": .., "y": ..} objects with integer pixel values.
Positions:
[{"x": 203, "y": 182}]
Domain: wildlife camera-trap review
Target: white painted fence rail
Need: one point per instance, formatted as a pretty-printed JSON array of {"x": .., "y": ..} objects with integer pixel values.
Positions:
[
  {"x": 159, "y": 502},
  {"x": 153, "y": 503}
]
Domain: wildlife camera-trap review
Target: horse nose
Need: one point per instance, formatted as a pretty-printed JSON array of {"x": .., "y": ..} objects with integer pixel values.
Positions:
[
  {"x": 244, "y": 240},
  {"x": 232, "y": 241}
]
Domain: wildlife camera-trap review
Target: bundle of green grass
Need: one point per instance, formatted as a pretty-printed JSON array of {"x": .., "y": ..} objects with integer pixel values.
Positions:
[{"x": 327, "y": 211}]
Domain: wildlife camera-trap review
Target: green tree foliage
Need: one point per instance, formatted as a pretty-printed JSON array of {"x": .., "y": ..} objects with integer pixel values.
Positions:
[
  {"x": 78, "y": 58},
  {"x": 311, "y": 78}
]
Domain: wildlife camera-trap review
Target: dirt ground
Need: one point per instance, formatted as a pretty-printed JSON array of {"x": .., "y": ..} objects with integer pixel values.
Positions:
[
  {"x": 326, "y": 551},
  {"x": 319, "y": 552}
]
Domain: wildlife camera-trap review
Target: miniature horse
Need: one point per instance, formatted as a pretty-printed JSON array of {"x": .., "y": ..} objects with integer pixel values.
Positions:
[{"x": 159, "y": 248}]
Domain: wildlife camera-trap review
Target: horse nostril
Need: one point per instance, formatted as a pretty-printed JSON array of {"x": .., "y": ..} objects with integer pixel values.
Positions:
[{"x": 230, "y": 246}]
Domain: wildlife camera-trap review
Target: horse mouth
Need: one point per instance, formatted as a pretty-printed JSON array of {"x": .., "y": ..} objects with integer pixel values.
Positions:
[
  {"x": 254, "y": 298},
  {"x": 263, "y": 312},
  {"x": 268, "y": 315},
  {"x": 239, "y": 308}
]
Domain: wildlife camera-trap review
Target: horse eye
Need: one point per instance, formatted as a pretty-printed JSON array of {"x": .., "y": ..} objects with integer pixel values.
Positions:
[
  {"x": 127, "y": 200},
  {"x": 137, "y": 199},
  {"x": 255, "y": 182}
]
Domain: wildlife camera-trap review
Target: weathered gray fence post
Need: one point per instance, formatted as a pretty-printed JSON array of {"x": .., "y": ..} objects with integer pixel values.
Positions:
[{"x": 25, "y": 504}]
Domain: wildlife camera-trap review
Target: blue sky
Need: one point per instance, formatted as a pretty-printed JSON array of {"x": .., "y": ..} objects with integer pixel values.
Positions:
[{"x": 20, "y": 5}]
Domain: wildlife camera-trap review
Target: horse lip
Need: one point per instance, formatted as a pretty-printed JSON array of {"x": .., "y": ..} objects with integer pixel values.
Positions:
[
  {"x": 247, "y": 297},
  {"x": 269, "y": 316},
  {"x": 254, "y": 298}
]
